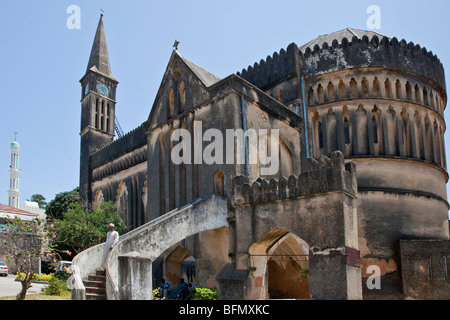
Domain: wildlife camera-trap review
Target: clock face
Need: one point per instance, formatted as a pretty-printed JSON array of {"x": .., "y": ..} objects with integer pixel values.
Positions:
[
  {"x": 102, "y": 89},
  {"x": 86, "y": 90}
]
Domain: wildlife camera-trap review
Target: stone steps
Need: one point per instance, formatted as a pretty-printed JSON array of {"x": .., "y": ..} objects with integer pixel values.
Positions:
[{"x": 96, "y": 286}]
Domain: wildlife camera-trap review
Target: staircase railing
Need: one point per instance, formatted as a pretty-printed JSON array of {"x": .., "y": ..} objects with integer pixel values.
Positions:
[
  {"x": 197, "y": 216},
  {"x": 83, "y": 264}
]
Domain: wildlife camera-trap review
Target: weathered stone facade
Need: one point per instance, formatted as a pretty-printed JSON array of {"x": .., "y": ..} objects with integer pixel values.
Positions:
[{"x": 376, "y": 102}]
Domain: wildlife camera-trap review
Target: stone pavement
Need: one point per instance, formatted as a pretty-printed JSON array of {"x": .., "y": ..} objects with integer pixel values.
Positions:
[{"x": 9, "y": 287}]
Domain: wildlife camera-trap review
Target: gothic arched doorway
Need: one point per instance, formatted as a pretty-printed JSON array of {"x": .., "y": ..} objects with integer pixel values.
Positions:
[
  {"x": 288, "y": 268},
  {"x": 279, "y": 266},
  {"x": 180, "y": 264},
  {"x": 219, "y": 183}
]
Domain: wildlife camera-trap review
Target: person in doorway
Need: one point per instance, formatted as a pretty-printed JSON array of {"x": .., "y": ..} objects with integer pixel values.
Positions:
[
  {"x": 112, "y": 238},
  {"x": 166, "y": 288},
  {"x": 181, "y": 291},
  {"x": 192, "y": 290}
]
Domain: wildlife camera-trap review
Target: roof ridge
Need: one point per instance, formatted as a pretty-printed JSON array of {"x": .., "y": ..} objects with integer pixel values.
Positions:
[
  {"x": 351, "y": 31},
  {"x": 207, "y": 77},
  {"x": 339, "y": 35},
  {"x": 8, "y": 209}
]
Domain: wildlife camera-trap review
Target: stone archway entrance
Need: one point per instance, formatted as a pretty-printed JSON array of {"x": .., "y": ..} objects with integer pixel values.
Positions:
[
  {"x": 279, "y": 266},
  {"x": 288, "y": 269}
]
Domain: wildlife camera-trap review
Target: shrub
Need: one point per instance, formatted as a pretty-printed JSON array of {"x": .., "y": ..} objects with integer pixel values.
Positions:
[
  {"x": 200, "y": 294},
  {"x": 205, "y": 294},
  {"x": 62, "y": 275},
  {"x": 43, "y": 277},
  {"x": 155, "y": 294},
  {"x": 56, "y": 287},
  {"x": 37, "y": 277}
]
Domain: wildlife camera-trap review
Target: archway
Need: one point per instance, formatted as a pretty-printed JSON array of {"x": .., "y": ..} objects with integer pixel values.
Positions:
[
  {"x": 288, "y": 269},
  {"x": 180, "y": 264},
  {"x": 279, "y": 266},
  {"x": 98, "y": 199},
  {"x": 219, "y": 183},
  {"x": 122, "y": 202}
]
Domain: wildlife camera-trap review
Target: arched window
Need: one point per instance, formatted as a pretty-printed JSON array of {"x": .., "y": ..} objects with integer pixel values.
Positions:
[
  {"x": 353, "y": 88},
  {"x": 96, "y": 114},
  {"x": 320, "y": 135},
  {"x": 408, "y": 91},
  {"x": 388, "y": 88},
  {"x": 162, "y": 175},
  {"x": 417, "y": 94},
  {"x": 398, "y": 90},
  {"x": 171, "y": 111},
  {"x": 346, "y": 131},
  {"x": 219, "y": 183},
  {"x": 406, "y": 133},
  {"x": 182, "y": 97},
  {"x": 107, "y": 118},
  {"x": 376, "y": 88},
  {"x": 330, "y": 91},
  {"x": 98, "y": 199},
  {"x": 425, "y": 97},
  {"x": 320, "y": 98},
  {"x": 102, "y": 116},
  {"x": 432, "y": 100},
  {"x": 342, "y": 90},
  {"x": 311, "y": 96},
  {"x": 375, "y": 129},
  {"x": 172, "y": 179},
  {"x": 122, "y": 202},
  {"x": 365, "y": 87}
]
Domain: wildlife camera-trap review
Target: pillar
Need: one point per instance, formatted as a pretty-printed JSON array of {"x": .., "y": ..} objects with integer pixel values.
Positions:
[{"x": 135, "y": 277}]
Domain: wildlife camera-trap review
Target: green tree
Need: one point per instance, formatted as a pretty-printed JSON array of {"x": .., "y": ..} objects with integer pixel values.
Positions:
[
  {"x": 79, "y": 229},
  {"x": 24, "y": 242},
  {"x": 40, "y": 199},
  {"x": 62, "y": 202}
]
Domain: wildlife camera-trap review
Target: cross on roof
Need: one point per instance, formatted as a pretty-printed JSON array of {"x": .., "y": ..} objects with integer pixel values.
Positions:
[{"x": 175, "y": 44}]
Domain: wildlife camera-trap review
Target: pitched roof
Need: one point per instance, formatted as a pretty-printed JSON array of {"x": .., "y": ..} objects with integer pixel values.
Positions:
[
  {"x": 6, "y": 211},
  {"x": 348, "y": 33},
  {"x": 99, "y": 58},
  {"x": 204, "y": 75}
]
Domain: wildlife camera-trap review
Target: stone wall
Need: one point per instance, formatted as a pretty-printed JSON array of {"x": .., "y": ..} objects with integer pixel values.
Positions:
[
  {"x": 386, "y": 53},
  {"x": 425, "y": 267},
  {"x": 318, "y": 206}
]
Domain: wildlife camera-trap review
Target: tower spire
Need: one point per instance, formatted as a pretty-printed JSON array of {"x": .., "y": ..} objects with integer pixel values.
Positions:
[
  {"x": 99, "y": 53},
  {"x": 13, "y": 192},
  {"x": 98, "y": 108}
]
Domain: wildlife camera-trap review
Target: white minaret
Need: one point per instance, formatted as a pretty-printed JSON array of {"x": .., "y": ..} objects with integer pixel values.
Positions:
[{"x": 13, "y": 192}]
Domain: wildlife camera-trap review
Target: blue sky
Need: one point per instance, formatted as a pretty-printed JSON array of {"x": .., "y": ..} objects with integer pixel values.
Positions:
[{"x": 42, "y": 61}]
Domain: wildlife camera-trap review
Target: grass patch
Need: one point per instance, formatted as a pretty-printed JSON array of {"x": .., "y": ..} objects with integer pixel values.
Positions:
[{"x": 40, "y": 296}]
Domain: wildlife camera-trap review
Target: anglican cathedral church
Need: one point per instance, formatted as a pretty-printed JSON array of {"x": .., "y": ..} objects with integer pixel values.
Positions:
[{"x": 319, "y": 172}]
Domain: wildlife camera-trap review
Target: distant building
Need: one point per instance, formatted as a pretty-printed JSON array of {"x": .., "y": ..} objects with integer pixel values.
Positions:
[
  {"x": 13, "y": 192},
  {"x": 33, "y": 207},
  {"x": 11, "y": 212}
]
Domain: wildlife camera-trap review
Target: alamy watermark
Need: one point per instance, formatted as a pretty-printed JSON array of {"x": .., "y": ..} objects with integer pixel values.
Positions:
[
  {"x": 374, "y": 280},
  {"x": 241, "y": 147},
  {"x": 74, "y": 20},
  {"x": 374, "y": 20}
]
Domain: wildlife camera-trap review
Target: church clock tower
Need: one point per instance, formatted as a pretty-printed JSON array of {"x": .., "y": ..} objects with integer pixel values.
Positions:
[{"x": 98, "y": 101}]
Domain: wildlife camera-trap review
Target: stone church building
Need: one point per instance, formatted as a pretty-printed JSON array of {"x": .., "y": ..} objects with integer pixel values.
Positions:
[{"x": 356, "y": 208}]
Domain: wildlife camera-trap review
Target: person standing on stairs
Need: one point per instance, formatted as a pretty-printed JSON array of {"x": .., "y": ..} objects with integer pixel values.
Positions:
[{"x": 112, "y": 238}]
